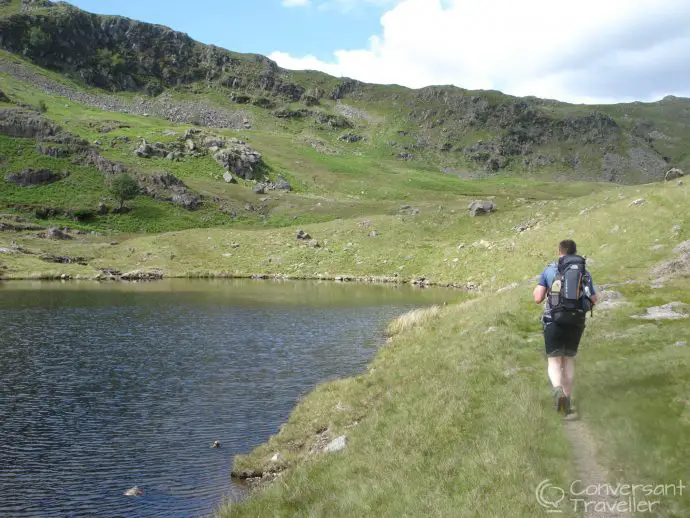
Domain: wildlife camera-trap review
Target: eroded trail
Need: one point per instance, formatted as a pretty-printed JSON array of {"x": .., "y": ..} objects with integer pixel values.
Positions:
[{"x": 590, "y": 472}]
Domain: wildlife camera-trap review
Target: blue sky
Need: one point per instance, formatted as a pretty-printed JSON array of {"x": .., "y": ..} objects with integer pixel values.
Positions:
[{"x": 260, "y": 26}]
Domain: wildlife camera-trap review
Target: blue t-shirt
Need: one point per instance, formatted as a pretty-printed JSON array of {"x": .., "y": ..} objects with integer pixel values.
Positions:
[{"x": 546, "y": 279}]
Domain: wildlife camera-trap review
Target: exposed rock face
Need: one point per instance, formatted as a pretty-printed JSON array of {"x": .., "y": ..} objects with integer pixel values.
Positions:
[
  {"x": 105, "y": 166},
  {"x": 167, "y": 187},
  {"x": 53, "y": 151},
  {"x": 480, "y": 207},
  {"x": 241, "y": 160},
  {"x": 25, "y": 124},
  {"x": 31, "y": 177}
]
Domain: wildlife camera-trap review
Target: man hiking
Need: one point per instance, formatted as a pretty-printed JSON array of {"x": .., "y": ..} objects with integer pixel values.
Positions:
[{"x": 569, "y": 292}]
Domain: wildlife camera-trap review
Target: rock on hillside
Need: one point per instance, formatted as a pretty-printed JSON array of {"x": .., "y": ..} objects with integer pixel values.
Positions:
[
  {"x": 165, "y": 186},
  {"x": 30, "y": 177},
  {"x": 241, "y": 160}
]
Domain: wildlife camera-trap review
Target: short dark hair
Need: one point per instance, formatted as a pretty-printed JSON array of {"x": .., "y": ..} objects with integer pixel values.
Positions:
[{"x": 567, "y": 247}]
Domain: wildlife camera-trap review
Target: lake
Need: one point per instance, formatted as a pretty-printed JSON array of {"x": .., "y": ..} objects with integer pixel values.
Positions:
[{"x": 108, "y": 386}]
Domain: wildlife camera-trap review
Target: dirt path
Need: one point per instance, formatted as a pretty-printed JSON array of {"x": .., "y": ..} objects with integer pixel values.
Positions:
[{"x": 590, "y": 472}]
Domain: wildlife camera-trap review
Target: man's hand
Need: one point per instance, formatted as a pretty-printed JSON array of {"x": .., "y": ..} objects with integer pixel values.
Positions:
[{"x": 539, "y": 294}]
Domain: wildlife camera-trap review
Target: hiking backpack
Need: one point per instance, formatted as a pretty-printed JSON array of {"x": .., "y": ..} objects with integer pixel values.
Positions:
[{"x": 567, "y": 295}]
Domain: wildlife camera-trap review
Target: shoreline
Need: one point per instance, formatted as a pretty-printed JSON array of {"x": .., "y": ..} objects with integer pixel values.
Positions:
[{"x": 153, "y": 276}]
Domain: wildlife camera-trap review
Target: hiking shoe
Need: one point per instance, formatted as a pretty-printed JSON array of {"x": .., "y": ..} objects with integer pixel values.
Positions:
[
  {"x": 567, "y": 408},
  {"x": 559, "y": 399}
]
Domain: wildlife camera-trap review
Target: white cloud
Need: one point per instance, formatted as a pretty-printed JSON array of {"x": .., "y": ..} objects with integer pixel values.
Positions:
[
  {"x": 295, "y": 3},
  {"x": 586, "y": 51}
]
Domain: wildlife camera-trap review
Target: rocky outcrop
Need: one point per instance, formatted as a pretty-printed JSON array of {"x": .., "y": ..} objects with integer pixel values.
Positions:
[
  {"x": 105, "y": 166},
  {"x": 142, "y": 275},
  {"x": 56, "y": 233},
  {"x": 4, "y": 98},
  {"x": 165, "y": 186},
  {"x": 60, "y": 259},
  {"x": 25, "y": 124},
  {"x": 53, "y": 151},
  {"x": 31, "y": 177},
  {"x": 241, "y": 160}
]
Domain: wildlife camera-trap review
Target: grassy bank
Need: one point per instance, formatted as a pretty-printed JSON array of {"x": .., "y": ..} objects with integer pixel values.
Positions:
[{"x": 453, "y": 416}]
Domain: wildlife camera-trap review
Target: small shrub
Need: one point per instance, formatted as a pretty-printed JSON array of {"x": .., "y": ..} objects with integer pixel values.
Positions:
[
  {"x": 42, "y": 106},
  {"x": 123, "y": 188}
]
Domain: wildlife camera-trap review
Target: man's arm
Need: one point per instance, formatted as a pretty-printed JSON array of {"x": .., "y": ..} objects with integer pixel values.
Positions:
[
  {"x": 541, "y": 289},
  {"x": 539, "y": 294}
]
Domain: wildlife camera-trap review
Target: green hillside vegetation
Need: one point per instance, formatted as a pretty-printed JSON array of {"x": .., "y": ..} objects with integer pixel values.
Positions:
[{"x": 453, "y": 416}]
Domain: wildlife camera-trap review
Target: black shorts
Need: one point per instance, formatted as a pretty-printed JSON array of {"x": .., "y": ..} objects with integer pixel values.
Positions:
[{"x": 562, "y": 341}]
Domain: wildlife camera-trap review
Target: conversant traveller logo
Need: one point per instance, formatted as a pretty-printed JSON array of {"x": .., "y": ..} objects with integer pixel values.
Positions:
[{"x": 606, "y": 498}]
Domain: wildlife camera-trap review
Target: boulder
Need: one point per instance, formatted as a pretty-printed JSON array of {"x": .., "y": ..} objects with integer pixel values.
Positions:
[
  {"x": 29, "y": 177},
  {"x": 241, "y": 160},
  {"x": 314, "y": 244},
  {"x": 336, "y": 444},
  {"x": 229, "y": 178},
  {"x": 260, "y": 188},
  {"x": 480, "y": 207},
  {"x": 282, "y": 185},
  {"x": 301, "y": 234},
  {"x": 103, "y": 209},
  {"x": 673, "y": 174},
  {"x": 638, "y": 202},
  {"x": 56, "y": 233}
]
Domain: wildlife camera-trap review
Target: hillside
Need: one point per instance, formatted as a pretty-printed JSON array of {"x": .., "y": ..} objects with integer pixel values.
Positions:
[{"x": 467, "y": 133}]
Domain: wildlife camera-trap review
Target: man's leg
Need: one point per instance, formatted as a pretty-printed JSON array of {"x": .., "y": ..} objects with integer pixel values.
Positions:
[
  {"x": 568, "y": 375},
  {"x": 555, "y": 370}
]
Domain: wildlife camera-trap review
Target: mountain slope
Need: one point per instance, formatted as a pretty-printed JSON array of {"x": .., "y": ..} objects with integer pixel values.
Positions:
[{"x": 470, "y": 133}]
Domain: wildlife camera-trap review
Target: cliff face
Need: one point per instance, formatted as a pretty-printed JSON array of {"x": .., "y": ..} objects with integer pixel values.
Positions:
[{"x": 486, "y": 131}]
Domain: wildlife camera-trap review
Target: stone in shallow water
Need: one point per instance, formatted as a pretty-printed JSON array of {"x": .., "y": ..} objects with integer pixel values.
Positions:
[{"x": 135, "y": 491}]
